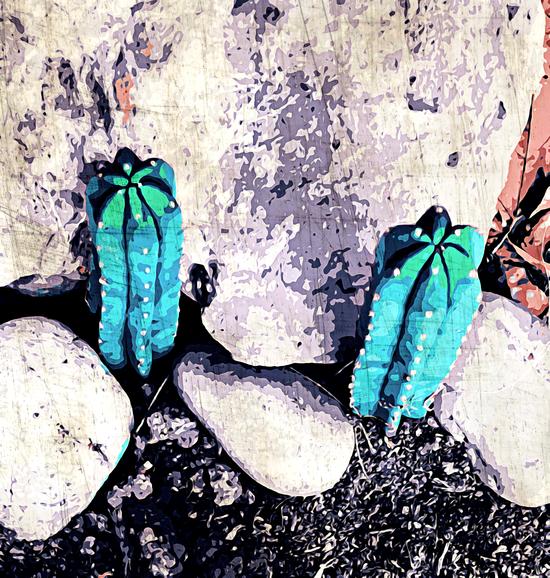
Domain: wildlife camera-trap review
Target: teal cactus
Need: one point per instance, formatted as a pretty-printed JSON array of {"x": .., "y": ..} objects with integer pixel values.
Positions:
[
  {"x": 136, "y": 229},
  {"x": 426, "y": 294}
]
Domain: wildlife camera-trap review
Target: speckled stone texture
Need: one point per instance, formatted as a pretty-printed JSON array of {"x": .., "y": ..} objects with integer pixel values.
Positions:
[
  {"x": 496, "y": 399},
  {"x": 299, "y": 132},
  {"x": 279, "y": 427},
  {"x": 64, "y": 424},
  {"x": 357, "y": 116}
]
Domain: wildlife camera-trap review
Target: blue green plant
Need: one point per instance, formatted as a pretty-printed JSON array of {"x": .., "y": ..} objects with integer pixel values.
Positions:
[
  {"x": 136, "y": 228},
  {"x": 426, "y": 292}
]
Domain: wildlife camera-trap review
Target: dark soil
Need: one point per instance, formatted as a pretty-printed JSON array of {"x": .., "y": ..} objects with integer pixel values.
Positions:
[{"x": 176, "y": 505}]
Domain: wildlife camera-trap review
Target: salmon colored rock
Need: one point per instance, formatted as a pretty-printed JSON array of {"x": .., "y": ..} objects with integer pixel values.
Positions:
[
  {"x": 123, "y": 86},
  {"x": 523, "y": 262}
]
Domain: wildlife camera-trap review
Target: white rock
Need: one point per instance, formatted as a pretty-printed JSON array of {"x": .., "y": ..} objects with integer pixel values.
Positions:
[
  {"x": 497, "y": 398},
  {"x": 278, "y": 427},
  {"x": 298, "y": 137},
  {"x": 64, "y": 424}
]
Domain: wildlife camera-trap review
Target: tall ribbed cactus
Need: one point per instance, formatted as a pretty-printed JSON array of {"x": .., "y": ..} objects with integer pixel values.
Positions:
[
  {"x": 426, "y": 294},
  {"x": 136, "y": 229}
]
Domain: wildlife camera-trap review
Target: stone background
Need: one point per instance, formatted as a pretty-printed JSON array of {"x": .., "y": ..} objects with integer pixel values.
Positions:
[{"x": 299, "y": 132}]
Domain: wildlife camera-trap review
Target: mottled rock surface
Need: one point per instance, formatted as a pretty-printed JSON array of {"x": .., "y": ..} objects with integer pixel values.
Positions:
[
  {"x": 299, "y": 132},
  {"x": 279, "y": 427},
  {"x": 64, "y": 424},
  {"x": 358, "y": 116},
  {"x": 496, "y": 398}
]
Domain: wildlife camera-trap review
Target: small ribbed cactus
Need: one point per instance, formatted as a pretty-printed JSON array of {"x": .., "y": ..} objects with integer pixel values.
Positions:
[
  {"x": 426, "y": 294},
  {"x": 136, "y": 229}
]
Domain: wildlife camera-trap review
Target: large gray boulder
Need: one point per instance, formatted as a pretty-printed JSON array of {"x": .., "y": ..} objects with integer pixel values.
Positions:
[
  {"x": 497, "y": 400},
  {"x": 356, "y": 117},
  {"x": 278, "y": 426},
  {"x": 298, "y": 136},
  {"x": 64, "y": 424}
]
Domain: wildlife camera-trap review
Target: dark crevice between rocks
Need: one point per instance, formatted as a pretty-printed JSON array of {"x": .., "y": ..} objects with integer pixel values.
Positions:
[{"x": 203, "y": 283}]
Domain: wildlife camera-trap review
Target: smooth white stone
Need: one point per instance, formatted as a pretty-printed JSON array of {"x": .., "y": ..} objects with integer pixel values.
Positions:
[
  {"x": 56, "y": 399},
  {"x": 279, "y": 427},
  {"x": 496, "y": 398}
]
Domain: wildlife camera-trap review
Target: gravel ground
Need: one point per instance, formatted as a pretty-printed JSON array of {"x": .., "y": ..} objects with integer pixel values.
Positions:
[{"x": 177, "y": 506}]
